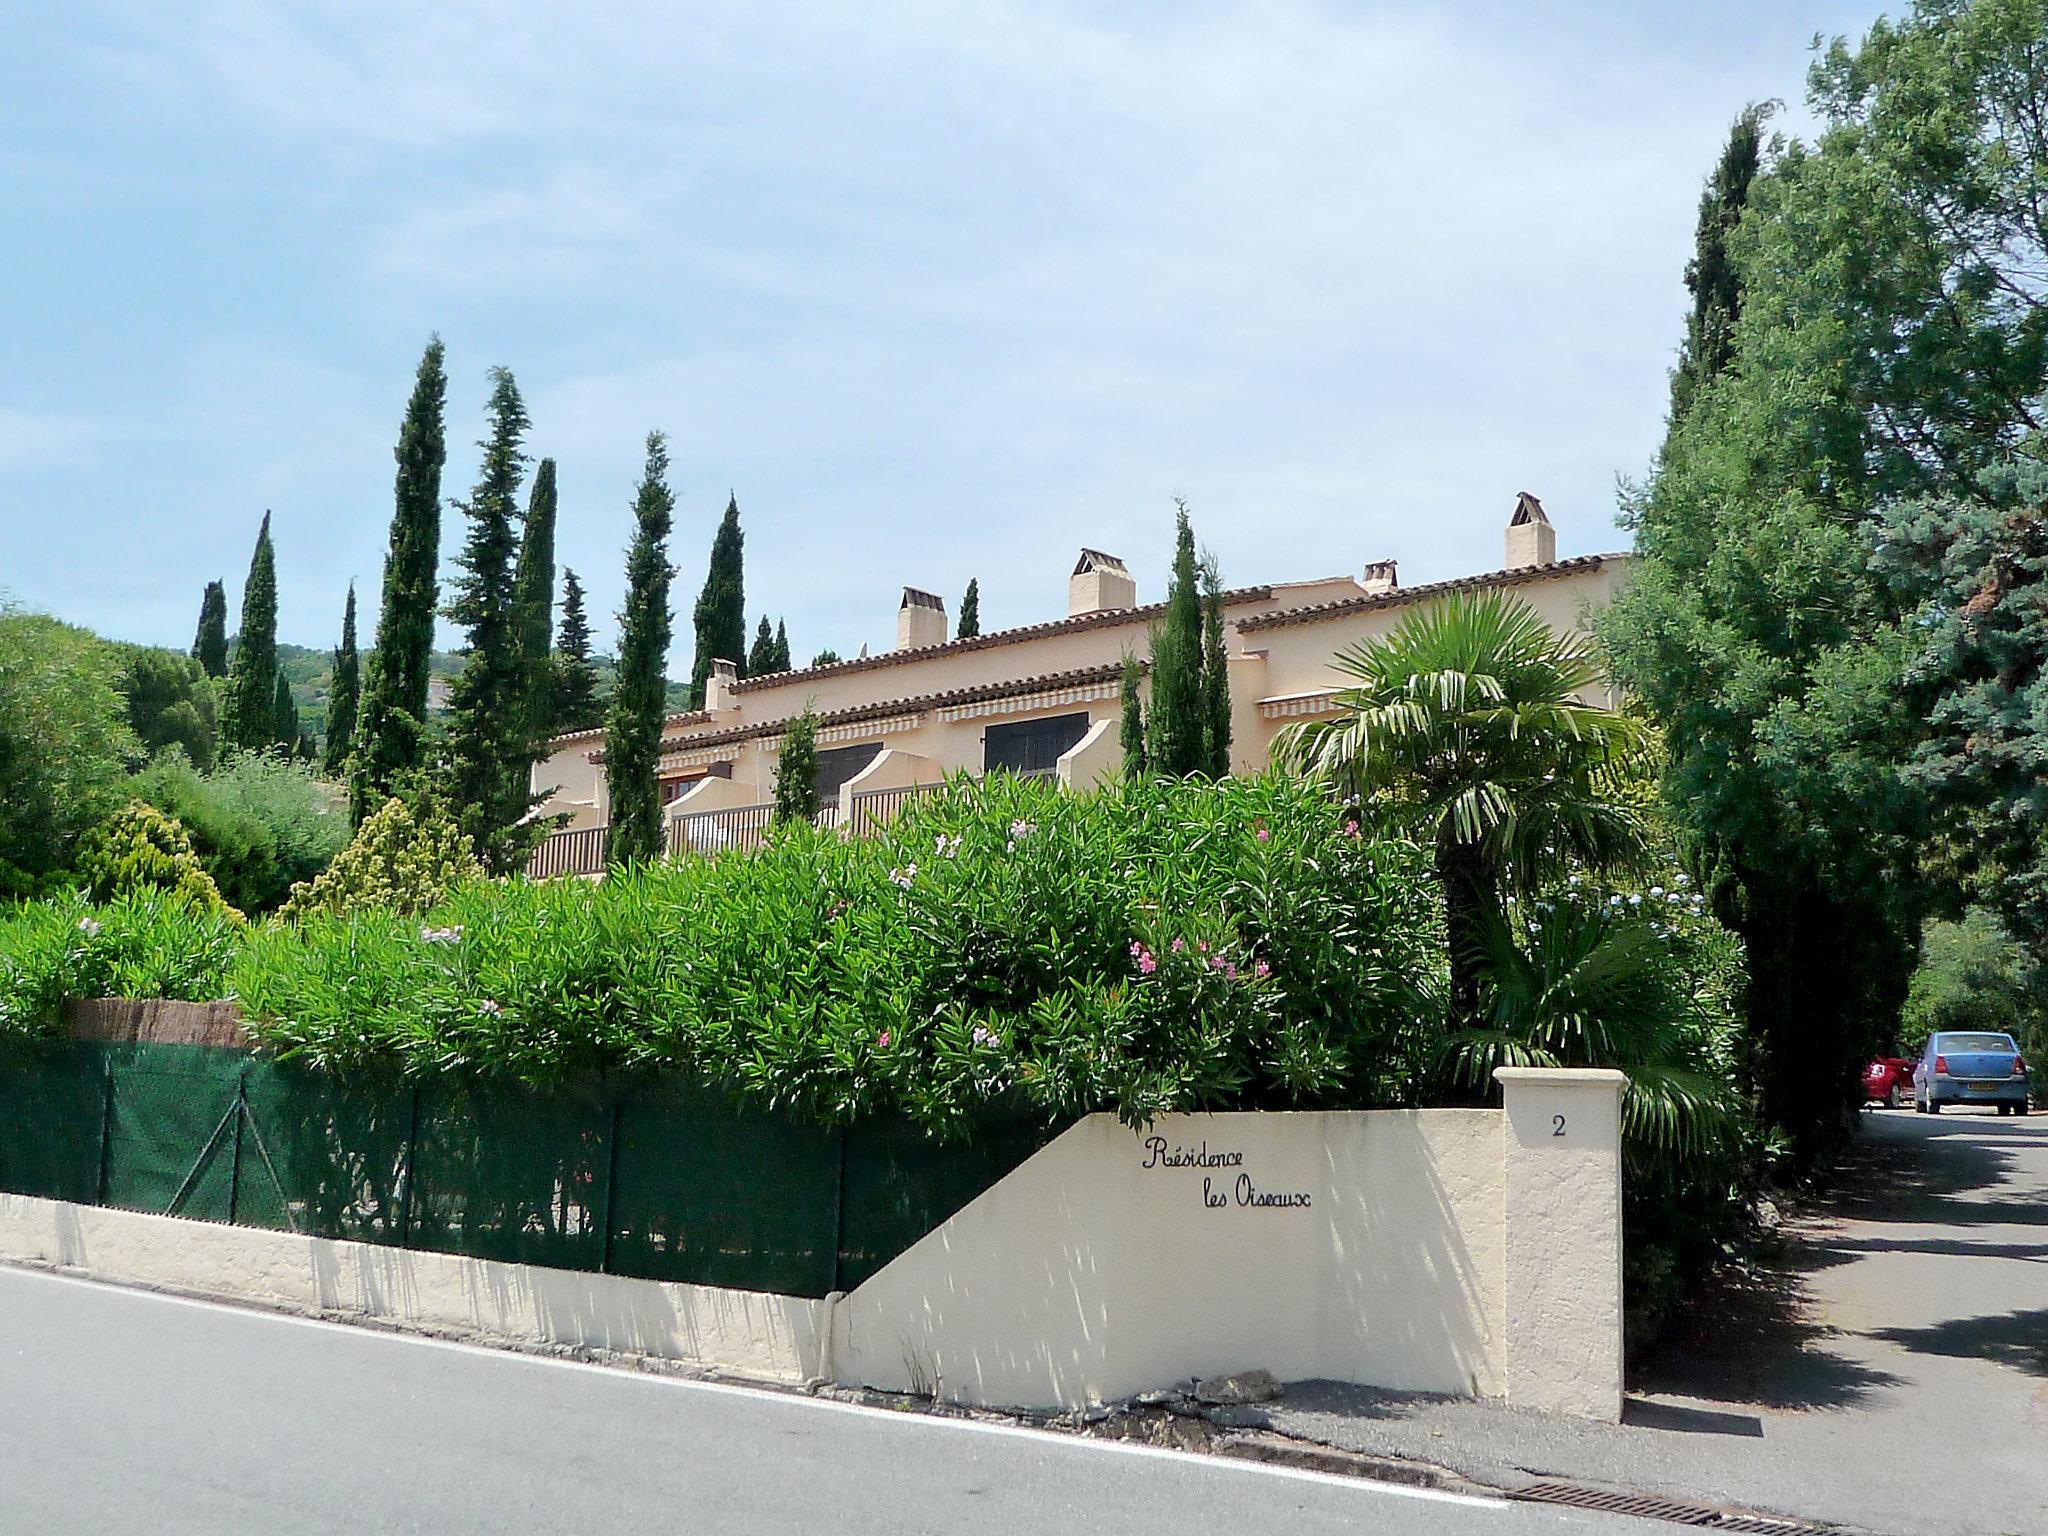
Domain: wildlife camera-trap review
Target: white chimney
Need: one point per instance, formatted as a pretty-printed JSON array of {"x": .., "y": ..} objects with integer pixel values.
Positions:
[
  {"x": 920, "y": 620},
  {"x": 1382, "y": 576},
  {"x": 1100, "y": 584},
  {"x": 1531, "y": 539},
  {"x": 718, "y": 695}
]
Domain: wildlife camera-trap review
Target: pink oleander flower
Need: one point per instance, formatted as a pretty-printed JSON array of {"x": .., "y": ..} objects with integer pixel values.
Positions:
[
  {"x": 1262, "y": 834},
  {"x": 1351, "y": 828},
  {"x": 1262, "y": 970},
  {"x": 1229, "y": 972},
  {"x": 882, "y": 1040},
  {"x": 984, "y": 1036},
  {"x": 1137, "y": 948},
  {"x": 1147, "y": 964},
  {"x": 1179, "y": 945},
  {"x": 1203, "y": 947}
]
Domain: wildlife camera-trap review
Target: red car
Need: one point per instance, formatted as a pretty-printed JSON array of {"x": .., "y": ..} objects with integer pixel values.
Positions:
[{"x": 1888, "y": 1080}]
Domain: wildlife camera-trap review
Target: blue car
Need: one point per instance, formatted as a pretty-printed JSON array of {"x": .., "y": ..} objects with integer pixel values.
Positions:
[{"x": 1970, "y": 1068}]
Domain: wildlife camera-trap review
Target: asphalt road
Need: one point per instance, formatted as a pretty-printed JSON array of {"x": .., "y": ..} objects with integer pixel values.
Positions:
[
  {"x": 127, "y": 1411},
  {"x": 1891, "y": 1375}
]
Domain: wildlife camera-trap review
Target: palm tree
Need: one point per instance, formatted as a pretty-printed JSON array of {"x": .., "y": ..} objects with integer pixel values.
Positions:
[{"x": 1468, "y": 723}]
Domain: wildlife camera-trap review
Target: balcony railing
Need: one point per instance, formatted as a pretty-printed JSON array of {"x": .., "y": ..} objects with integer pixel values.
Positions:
[{"x": 582, "y": 852}]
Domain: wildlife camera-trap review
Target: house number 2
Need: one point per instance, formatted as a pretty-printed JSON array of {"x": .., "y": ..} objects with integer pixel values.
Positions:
[{"x": 1557, "y": 1125}]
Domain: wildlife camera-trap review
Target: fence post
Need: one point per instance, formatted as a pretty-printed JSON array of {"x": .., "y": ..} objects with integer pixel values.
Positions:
[
  {"x": 611, "y": 1176},
  {"x": 412, "y": 1152},
  {"x": 99, "y": 1189},
  {"x": 235, "y": 1163}
]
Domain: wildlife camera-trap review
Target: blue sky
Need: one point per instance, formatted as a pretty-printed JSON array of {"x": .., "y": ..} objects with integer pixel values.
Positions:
[{"x": 939, "y": 290}]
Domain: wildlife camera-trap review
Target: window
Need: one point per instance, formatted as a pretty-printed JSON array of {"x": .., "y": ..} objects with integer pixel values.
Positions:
[
  {"x": 839, "y": 764},
  {"x": 1031, "y": 746}
]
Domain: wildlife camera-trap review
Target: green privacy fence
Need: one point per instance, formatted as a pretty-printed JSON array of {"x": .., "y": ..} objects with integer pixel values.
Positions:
[{"x": 661, "y": 1182}]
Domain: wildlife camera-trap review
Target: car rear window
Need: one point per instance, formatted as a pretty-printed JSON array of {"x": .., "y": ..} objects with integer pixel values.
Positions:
[{"x": 1966, "y": 1043}]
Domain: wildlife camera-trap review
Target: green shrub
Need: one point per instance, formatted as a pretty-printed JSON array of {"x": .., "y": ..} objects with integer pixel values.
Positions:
[
  {"x": 1150, "y": 948},
  {"x": 65, "y": 744},
  {"x": 142, "y": 944},
  {"x": 259, "y": 823},
  {"x": 139, "y": 848},
  {"x": 401, "y": 861}
]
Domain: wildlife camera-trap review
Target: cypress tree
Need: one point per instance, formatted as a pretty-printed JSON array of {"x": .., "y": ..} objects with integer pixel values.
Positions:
[
  {"x": 341, "y": 707},
  {"x": 391, "y": 725},
  {"x": 575, "y": 678},
  {"x": 1176, "y": 732},
  {"x": 1711, "y": 276},
  {"x": 285, "y": 712},
  {"x": 639, "y": 698},
  {"x": 533, "y": 606},
  {"x": 970, "y": 611},
  {"x": 490, "y": 754},
  {"x": 761, "y": 655},
  {"x": 721, "y": 613},
  {"x": 825, "y": 658},
  {"x": 210, "y": 644},
  {"x": 251, "y": 723},
  {"x": 1215, "y": 675},
  {"x": 796, "y": 773},
  {"x": 1133, "y": 731}
]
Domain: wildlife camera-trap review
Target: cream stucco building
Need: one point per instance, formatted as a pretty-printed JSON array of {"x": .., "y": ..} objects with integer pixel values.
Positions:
[{"x": 1039, "y": 699}]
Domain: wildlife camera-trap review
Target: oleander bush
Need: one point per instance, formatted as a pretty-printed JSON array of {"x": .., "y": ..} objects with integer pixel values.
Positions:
[
  {"x": 147, "y": 943},
  {"x": 1153, "y": 947}
]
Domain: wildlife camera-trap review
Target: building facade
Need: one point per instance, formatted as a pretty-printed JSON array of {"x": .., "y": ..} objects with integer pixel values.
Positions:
[{"x": 1041, "y": 699}]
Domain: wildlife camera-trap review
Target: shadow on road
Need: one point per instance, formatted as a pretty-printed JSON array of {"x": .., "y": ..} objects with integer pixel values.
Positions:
[{"x": 2017, "y": 1339}]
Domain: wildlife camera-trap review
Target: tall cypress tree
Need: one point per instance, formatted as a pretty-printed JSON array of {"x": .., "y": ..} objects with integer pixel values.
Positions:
[
  {"x": 285, "y": 714},
  {"x": 1176, "y": 734},
  {"x": 1711, "y": 276},
  {"x": 251, "y": 723},
  {"x": 490, "y": 755},
  {"x": 391, "y": 726},
  {"x": 796, "y": 770},
  {"x": 781, "y": 646},
  {"x": 210, "y": 644},
  {"x": 533, "y": 606},
  {"x": 341, "y": 706},
  {"x": 1215, "y": 674},
  {"x": 639, "y": 698},
  {"x": 1132, "y": 732},
  {"x": 721, "y": 613},
  {"x": 970, "y": 611},
  {"x": 761, "y": 654},
  {"x": 575, "y": 678}
]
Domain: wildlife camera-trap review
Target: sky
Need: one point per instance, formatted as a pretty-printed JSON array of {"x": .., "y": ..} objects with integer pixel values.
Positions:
[{"x": 939, "y": 291}]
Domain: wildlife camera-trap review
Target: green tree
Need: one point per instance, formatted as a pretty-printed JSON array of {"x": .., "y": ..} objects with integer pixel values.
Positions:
[
  {"x": 1711, "y": 276},
  {"x": 210, "y": 644},
  {"x": 576, "y": 705},
  {"x": 171, "y": 702},
  {"x": 1889, "y": 343},
  {"x": 825, "y": 658},
  {"x": 761, "y": 654},
  {"x": 490, "y": 755},
  {"x": 533, "y": 605},
  {"x": 259, "y": 822},
  {"x": 1177, "y": 726},
  {"x": 782, "y": 662},
  {"x": 251, "y": 723},
  {"x": 284, "y": 714},
  {"x": 970, "y": 611},
  {"x": 65, "y": 742},
  {"x": 404, "y": 860},
  {"x": 1467, "y": 724},
  {"x": 1974, "y": 975},
  {"x": 1215, "y": 676},
  {"x": 646, "y": 623},
  {"x": 1973, "y": 573},
  {"x": 796, "y": 772},
  {"x": 1133, "y": 722},
  {"x": 721, "y": 612},
  {"x": 342, "y": 703},
  {"x": 391, "y": 728}
]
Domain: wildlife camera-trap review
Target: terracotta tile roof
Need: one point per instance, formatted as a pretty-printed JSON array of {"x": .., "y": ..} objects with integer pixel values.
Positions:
[
  {"x": 1315, "y": 613},
  {"x": 1107, "y": 619},
  {"x": 1079, "y": 677},
  {"x": 682, "y": 717}
]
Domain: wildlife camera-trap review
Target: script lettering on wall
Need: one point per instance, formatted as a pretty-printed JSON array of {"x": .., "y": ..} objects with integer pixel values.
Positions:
[{"x": 1240, "y": 1193}]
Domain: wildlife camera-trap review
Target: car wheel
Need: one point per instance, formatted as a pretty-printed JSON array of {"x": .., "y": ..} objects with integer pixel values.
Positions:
[
  {"x": 2019, "y": 1109},
  {"x": 1933, "y": 1105},
  {"x": 1892, "y": 1100}
]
